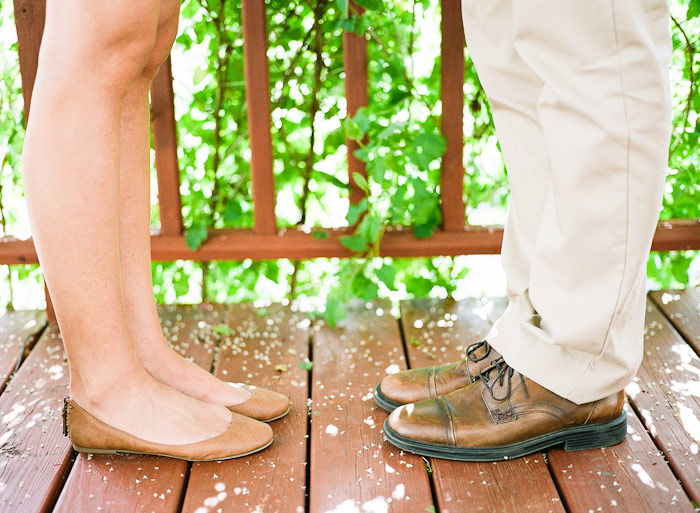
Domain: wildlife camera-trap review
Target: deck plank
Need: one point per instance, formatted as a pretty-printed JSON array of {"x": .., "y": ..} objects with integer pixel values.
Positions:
[
  {"x": 666, "y": 393},
  {"x": 438, "y": 331},
  {"x": 682, "y": 308},
  {"x": 265, "y": 348},
  {"x": 19, "y": 331},
  {"x": 630, "y": 476},
  {"x": 353, "y": 468},
  {"x": 34, "y": 454},
  {"x": 144, "y": 483}
]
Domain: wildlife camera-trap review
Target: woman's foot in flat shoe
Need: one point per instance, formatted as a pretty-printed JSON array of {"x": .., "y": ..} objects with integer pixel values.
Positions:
[
  {"x": 170, "y": 368},
  {"x": 140, "y": 405}
]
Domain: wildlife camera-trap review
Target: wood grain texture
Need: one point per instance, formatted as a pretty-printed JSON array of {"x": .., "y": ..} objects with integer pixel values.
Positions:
[
  {"x": 452, "y": 96},
  {"x": 19, "y": 331},
  {"x": 630, "y": 476},
  {"x": 144, "y": 483},
  {"x": 165, "y": 144},
  {"x": 34, "y": 454},
  {"x": 438, "y": 331},
  {"x": 666, "y": 394},
  {"x": 29, "y": 21},
  {"x": 265, "y": 347},
  {"x": 258, "y": 105},
  {"x": 355, "y": 66},
  {"x": 352, "y": 467},
  {"x": 682, "y": 308}
]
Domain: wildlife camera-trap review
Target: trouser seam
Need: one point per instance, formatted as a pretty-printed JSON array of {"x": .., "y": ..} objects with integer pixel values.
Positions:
[{"x": 627, "y": 199}]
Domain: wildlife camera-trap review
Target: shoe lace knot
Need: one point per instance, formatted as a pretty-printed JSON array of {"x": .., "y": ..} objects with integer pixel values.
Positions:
[
  {"x": 473, "y": 348},
  {"x": 504, "y": 373}
]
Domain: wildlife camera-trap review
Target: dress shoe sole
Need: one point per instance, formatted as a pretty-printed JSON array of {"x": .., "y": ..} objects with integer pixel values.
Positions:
[
  {"x": 117, "y": 451},
  {"x": 383, "y": 401},
  {"x": 577, "y": 438}
]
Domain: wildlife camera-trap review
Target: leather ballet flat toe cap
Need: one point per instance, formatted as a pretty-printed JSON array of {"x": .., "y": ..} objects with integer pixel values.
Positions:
[{"x": 263, "y": 405}]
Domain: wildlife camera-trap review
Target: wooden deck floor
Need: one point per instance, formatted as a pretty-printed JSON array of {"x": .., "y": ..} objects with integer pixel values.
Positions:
[{"x": 329, "y": 454}]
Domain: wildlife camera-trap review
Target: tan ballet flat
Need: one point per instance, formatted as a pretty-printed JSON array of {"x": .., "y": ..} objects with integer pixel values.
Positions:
[
  {"x": 89, "y": 434},
  {"x": 263, "y": 405}
]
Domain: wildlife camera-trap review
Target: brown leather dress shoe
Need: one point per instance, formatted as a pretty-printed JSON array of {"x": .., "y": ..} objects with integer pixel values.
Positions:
[
  {"x": 88, "y": 434},
  {"x": 263, "y": 405},
  {"x": 413, "y": 385},
  {"x": 504, "y": 415}
]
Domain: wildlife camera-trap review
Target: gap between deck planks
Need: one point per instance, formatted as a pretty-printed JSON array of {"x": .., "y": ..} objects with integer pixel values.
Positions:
[
  {"x": 34, "y": 454},
  {"x": 354, "y": 467},
  {"x": 265, "y": 347}
]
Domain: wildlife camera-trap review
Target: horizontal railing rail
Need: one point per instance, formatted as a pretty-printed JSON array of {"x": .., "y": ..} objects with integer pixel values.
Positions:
[{"x": 265, "y": 240}]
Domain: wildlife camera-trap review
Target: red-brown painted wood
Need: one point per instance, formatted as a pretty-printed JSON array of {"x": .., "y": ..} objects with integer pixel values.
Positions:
[
  {"x": 50, "y": 312},
  {"x": 258, "y": 105},
  {"x": 165, "y": 144},
  {"x": 355, "y": 65},
  {"x": 19, "y": 331},
  {"x": 227, "y": 244},
  {"x": 144, "y": 483},
  {"x": 34, "y": 454},
  {"x": 265, "y": 347},
  {"x": 631, "y": 476},
  {"x": 352, "y": 467},
  {"x": 666, "y": 393},
  {"x": 29, "y": 21},
  {"x": 452, "y": 95},
  {"x": 438, "y": 331},
  {"x": 682, "y": 308}
]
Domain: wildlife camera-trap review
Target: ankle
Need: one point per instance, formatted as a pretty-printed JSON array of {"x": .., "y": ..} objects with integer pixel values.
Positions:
[{"x": 98, "y": 389}]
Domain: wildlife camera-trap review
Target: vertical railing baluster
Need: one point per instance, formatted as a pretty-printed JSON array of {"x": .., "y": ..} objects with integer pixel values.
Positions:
[
  {"x": 355, "y": 64},
  {"x": 165, "y": 144},
  {"x": 258, "y": 100},
  {"x": 29, "y": 22},
  {"x": 452, "y": 94}
]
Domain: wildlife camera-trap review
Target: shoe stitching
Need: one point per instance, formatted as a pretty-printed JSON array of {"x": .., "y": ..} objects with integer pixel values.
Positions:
[
  {"x": 590, "y": 414},
  {"x": 533, "y": 411},
  {"x": 446, "y": 420},
  {"x": 435, "y": 383},
  {"x": 431, "y": 370}
]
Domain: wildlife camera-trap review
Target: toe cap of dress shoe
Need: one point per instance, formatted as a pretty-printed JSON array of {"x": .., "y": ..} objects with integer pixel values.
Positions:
[{"x": 424, "y": 421}]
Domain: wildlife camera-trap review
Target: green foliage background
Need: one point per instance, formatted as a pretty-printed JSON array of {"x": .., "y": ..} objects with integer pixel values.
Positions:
[{"x": 402, "y": 149}]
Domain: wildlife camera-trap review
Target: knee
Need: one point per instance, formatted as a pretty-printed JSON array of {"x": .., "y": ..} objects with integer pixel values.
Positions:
[
  {"x": 164, "y": 38},
  {"x": 103, "y": 48}
]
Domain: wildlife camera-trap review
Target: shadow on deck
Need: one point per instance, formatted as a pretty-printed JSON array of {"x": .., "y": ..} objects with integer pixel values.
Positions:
[{"x": 329, "y": 454}]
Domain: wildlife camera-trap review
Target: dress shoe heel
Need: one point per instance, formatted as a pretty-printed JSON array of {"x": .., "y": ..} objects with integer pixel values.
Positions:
[{"x": 598, "y": 435}]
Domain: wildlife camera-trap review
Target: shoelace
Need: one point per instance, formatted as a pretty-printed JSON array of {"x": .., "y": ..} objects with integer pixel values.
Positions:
[
  {"x": 503, "y": 372},
  {"x": 473, "y": 348}
]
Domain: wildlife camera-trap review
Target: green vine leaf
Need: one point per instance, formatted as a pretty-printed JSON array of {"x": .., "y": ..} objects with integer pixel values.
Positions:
[
  {"x": 196, "y": 235},
  {"x": 354, "y": 243}
]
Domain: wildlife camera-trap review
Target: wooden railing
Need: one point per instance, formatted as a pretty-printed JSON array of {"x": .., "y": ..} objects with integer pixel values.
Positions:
[{"x": 265, "y": 240}]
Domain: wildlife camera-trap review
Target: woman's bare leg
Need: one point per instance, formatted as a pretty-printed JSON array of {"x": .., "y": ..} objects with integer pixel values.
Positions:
[
  {"x": 91, "y": 53},
  {"x": 142, "y": 318}
]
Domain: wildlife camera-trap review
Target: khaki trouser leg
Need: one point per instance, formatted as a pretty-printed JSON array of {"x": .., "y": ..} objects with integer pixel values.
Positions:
[{"x": 581, "y": 102}]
